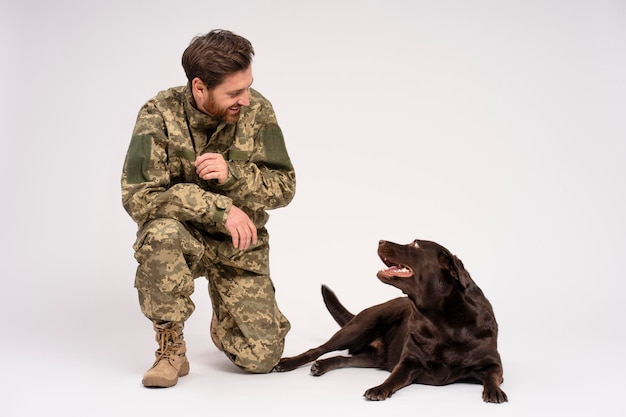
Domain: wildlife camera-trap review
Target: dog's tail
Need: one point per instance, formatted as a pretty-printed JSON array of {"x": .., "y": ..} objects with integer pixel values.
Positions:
[{"x": 336, "y": 309}]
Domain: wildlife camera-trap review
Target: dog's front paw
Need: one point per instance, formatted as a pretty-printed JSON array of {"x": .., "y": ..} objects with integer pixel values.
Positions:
[
  {"x": 378, "y": 393},
  {"x": 494, "y": 395},
  {"x": 317, "y": 369}
]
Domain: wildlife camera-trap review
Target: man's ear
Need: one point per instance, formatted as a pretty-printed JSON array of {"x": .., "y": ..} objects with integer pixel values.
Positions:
[{"x": 197, "y": 86}]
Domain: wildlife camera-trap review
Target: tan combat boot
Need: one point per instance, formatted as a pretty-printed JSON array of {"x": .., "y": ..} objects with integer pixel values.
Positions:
[{"x": 171, "y": 361}]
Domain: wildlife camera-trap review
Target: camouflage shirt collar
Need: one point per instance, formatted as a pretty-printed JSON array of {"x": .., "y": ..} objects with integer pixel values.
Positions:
[{"x": 197, "y": 119}]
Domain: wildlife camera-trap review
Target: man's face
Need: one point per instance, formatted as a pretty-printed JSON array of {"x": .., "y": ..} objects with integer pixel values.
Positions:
[{"x": 225, "y": 100}]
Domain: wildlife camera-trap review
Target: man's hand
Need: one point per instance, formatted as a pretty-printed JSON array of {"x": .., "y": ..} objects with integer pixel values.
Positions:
[
  {"x": 212, "y": 166},
  {"x": 240, "y": 228}
]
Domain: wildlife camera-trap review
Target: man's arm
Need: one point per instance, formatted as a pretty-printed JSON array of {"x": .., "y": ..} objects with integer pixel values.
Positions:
[{"x": 146, "y": 189}]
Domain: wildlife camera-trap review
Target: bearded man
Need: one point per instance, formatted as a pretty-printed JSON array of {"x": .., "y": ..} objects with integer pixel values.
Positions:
[{"x": 205, "y": 163}]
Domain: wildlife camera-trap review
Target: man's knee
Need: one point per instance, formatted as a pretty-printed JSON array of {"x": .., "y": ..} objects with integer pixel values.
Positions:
[
  {"x": 164, "y": 237},
  {"x": 255, "y": 350},
  {"x": 257, "y": 357},
  {"x": 160, "y": 233}
]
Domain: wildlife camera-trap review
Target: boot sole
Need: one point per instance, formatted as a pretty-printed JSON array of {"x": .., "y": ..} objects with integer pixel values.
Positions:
[{"x": 164, "y": 383}]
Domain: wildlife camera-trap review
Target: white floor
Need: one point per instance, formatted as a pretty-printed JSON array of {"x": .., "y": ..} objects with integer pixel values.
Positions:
[{"x": 86, "y": 365}]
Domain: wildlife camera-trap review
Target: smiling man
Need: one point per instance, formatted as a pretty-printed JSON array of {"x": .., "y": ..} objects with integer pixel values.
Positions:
[{"x": 205, "y": 163}]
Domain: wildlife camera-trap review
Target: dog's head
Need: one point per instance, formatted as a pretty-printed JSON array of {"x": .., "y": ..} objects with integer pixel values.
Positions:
[{"x": 423, "y": 270}]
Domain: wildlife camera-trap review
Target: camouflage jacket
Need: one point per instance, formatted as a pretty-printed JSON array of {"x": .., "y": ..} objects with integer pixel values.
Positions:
[{"x": 159, "y": 178}]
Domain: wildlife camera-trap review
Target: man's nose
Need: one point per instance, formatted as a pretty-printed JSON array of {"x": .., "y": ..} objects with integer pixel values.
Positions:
[{"x": 244, "y": 100}]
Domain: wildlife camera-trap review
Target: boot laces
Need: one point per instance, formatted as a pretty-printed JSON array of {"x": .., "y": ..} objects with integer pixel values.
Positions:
[{"x": 169, "y": 343}]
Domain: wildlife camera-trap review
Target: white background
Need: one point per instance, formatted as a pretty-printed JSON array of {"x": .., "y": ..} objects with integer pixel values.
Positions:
[{"x": 495, "y": 128}]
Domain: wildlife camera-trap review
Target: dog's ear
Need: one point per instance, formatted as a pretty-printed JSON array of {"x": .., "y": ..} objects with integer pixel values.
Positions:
[
  {"x": 455, "y": 267},
  {"x": 462, "y": 275}
]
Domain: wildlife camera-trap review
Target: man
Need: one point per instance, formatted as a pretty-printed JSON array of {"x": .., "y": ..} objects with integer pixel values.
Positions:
[{"x": 204, "y": 164}]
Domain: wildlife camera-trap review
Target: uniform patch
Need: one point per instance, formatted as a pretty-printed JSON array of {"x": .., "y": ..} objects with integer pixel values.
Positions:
[
  {"x": 138, "y": 159},
  {"x": 275, "y": 150}
]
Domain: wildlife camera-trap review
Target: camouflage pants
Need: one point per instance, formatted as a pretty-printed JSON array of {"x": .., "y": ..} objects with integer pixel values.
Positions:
[{"x": 171, "y": 255}]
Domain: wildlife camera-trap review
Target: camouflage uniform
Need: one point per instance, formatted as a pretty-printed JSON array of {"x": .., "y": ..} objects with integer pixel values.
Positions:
[{"x": 181, "y": 219}]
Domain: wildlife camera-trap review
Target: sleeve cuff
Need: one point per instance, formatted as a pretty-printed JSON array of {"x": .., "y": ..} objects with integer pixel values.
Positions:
[
  {"x": 233, "y": 177},
  {"x": 220, "y": 210}
]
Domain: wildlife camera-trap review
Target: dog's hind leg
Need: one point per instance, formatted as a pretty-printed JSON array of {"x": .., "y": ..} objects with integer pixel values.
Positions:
[
  {"x": 352, "y": 337},
  {"x": 356, "y": 335}
]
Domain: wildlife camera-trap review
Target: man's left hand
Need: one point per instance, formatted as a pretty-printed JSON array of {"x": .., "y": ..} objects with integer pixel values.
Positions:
[{"x": 212, "y": 166}]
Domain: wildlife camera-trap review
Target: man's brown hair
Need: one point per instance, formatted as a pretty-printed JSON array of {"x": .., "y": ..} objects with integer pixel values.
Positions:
[{"x": 213, "y": 56}]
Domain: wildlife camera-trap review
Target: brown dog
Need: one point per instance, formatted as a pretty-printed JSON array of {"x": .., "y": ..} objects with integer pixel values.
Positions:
[{"x": 444, "y": 331}]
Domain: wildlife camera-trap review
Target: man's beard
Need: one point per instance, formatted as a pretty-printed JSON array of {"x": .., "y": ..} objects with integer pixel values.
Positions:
[{"x": 221, "y": 114}]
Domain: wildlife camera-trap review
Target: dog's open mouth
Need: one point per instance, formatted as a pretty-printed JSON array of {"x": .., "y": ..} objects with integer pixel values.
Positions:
[{"x": 395, "y": 270}]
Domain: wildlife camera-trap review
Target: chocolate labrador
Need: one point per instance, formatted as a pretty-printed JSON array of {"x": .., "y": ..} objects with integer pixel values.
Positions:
[{"x": 443, "y": 331}]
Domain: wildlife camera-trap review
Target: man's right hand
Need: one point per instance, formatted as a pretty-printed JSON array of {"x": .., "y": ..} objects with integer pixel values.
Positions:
[{"x": 240, "y": 228}]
